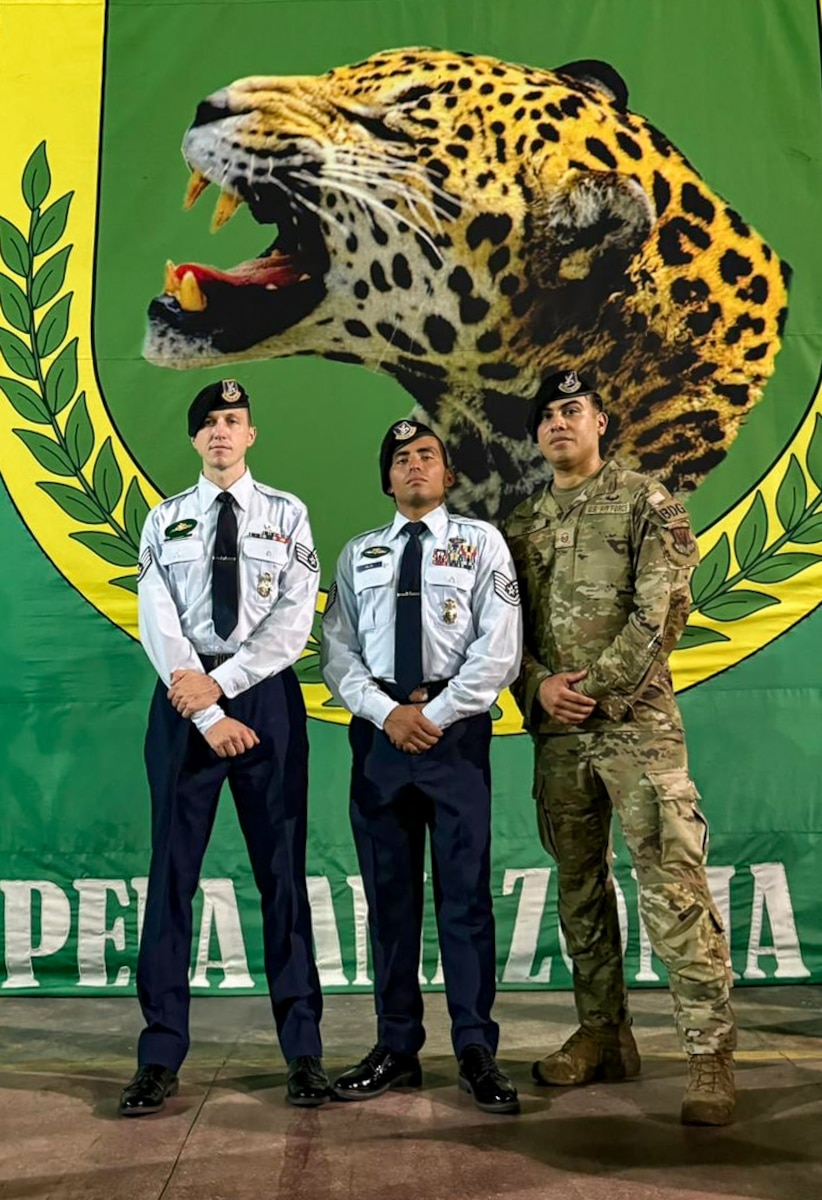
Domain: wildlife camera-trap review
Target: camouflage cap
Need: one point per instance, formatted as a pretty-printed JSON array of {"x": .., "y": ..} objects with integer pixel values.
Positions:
[
  {"x": 402, "y": 433},
  {"x": 562, "y": 385},
  {"x": 225, "y": 393}
]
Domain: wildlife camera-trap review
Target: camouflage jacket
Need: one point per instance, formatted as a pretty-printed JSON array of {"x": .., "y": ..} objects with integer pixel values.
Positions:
[{"x": 605, "y": 586}]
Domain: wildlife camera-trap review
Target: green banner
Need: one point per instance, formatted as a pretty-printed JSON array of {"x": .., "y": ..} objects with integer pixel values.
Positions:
[{"x": 629, "y": 186}]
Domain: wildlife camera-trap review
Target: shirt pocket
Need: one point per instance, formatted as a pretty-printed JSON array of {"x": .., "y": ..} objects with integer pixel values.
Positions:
[
  {"x": 374, "y": 589},
  {"x": 184, "y": 563},
  {"x": 263, "y": 562},
  {"x": 448, "y": 596}
]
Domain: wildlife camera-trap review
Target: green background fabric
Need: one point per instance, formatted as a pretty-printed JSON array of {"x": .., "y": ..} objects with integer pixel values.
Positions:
[{"x": 736, "y": 86}]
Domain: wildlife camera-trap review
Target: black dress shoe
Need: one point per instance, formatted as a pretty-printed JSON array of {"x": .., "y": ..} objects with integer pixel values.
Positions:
[
  {"x": 308, "y": 1085},
  {"x": 380, "y": 1070},
  {"x": 491, "y": 1088},
  {"x": 147, "y": 1091}
]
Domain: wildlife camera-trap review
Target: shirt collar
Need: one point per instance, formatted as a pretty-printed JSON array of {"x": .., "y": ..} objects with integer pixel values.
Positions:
[
  {"x": 241, "y": 490},
  {"x": 435, "y": 521}
]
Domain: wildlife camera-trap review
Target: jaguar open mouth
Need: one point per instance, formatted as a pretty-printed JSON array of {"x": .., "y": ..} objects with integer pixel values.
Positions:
[{"x": 238, "y": 308}]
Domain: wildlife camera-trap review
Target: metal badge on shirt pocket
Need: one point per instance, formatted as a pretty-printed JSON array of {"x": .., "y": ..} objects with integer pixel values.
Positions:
[
  {"x": 449, "y": 611},
  {"x": 264, "y": 585}
]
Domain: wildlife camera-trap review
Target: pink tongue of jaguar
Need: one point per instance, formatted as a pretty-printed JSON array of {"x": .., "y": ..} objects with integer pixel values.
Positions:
[{"x": 276, "y": 270}]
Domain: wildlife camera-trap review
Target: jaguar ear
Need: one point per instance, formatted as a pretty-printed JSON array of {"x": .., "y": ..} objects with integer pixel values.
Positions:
[
  {"x": 586, "y": 231},
  {"x": 601, "y": 76}
]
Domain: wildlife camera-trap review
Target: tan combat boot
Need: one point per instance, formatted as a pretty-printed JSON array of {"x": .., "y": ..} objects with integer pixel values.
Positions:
[
  {"x": 710, "y": 1096},
  {"x": 606, "y": 1053}
]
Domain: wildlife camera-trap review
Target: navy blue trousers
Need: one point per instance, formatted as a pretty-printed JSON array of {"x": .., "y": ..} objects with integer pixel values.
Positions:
[
  {"x": 395, "y": 799},
  {"x": 269, "y": 784}
]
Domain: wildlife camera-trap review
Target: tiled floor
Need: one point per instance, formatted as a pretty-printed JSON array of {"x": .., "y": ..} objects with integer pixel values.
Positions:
[{"x": 229, "y": 1133}]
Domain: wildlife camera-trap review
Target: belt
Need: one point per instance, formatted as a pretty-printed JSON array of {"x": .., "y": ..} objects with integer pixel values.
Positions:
[
  {"x": 210, "y": 661},
  {"x": 420, "y": 695}
]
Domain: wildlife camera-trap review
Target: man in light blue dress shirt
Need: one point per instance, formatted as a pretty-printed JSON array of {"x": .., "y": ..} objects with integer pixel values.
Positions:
[
  {"x": 421, "y": 632},
  {"x": 227, "y": 587}
]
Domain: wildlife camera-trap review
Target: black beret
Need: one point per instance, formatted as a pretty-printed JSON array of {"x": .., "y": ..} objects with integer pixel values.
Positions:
[
  {"x": 225, "y": 393},
  {"x": 402, "y": 433},
  {"x": 562, "y": 385}
]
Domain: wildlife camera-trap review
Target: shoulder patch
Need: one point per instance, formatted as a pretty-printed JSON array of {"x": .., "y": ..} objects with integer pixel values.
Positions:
[
  {"x": 506, "y": 588},
  {"x": 146, "y": 559},
  {"x": 307, "y": 555},
  {"x": 331, "y": 599}
]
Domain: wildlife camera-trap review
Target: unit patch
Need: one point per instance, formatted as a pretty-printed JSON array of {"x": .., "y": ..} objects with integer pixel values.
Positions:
[
  {"x": 507, "y": 589},
  {"x": 457, "y": 553},
  {"x": 684, "y": 540},
  {"x": 180, "y": 529},
  {"x": 307, "y": 556}
]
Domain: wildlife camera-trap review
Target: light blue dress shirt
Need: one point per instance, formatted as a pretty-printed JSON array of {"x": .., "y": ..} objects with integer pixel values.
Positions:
[{"x": 471, "y": 618}]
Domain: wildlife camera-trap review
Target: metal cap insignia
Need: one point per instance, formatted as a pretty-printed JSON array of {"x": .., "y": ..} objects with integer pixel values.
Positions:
[
  {"x": 404, "y": 430},
  {"x": 231, "y": 391},
  {"x": 570, "y": 384}
]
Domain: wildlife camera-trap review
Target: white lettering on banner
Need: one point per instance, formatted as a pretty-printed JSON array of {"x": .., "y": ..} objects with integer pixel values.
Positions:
[
  {"x": 93, "y": 934},
  {"x": 221, "y": 914},
  {"x": 771, "y": 890},
  {"x": 527, "y": 925},
  {"x": 140, "y": 885},
  {"x": 326, "y": 935},
  {"x": 361, "y": 976},
  {"x": 38, "y": 919},
  {"x": 55, "y": 926}
]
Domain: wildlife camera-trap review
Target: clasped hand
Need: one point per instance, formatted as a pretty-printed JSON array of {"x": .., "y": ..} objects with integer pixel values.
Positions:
[
  {"x": 409, "y": 730},
  {"x": 560, "y": 701},
  {"x": 192, "y": 691}
]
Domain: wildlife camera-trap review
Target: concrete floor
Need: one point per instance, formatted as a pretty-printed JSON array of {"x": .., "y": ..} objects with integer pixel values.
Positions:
[{"x": 228, "y": 1134}]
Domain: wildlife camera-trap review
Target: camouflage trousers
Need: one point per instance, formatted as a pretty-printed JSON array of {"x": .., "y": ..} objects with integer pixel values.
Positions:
[{"x": 642, "y": 773}]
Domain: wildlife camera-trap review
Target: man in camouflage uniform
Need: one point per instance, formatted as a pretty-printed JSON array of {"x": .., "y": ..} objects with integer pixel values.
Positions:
[{"x": 604, "y": 558}]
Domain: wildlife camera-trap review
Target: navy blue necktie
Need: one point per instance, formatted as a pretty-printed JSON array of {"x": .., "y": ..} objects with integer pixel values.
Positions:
[
  {"x": 408, "y": 625},
  {"x": 224, "y": 597}
]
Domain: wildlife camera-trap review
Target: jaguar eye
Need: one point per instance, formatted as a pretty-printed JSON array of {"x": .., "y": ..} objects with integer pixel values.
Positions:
[{"x": 413, "y": 94}]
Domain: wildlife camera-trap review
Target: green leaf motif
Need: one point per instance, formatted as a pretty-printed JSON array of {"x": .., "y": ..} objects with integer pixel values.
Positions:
[
  {"x": 736, "y": 605},
  {"x": 25, "y": 401},
  {"x": 712, "y": 571},
  {"x": 696, "y": 635},
  {"x": 814, "y": 455},
  {"x": 14, "y": 249},
  {"x": 36, "y": 178},
  {"x": 127, "y": 582},
  {"x": 792, "y": 496},
  {"x": 108, "y": 547},
  {"x": 17, "y": 354},
  {"x": 77, "y": 504},
  {"x": 107, "y": 479},
  {"x": 54, "y": 326},
  {"x": 61, "y": 380},
  {"x": 782, "y": 566},
  {"x": 49, "y": 278},
  {"x": 47, "y": 452},
  {"x": 307, "y": 669},
  {"x": 79, "y": 433},
  {"x": 14, "y": 304},
  {"x": 809, "y": 532},
  {"x": 496, "y": 712},
  {"x": 752, "y": 532},
  {"x": 51, "y": 224},
  {"x": 135, "y": 511}
]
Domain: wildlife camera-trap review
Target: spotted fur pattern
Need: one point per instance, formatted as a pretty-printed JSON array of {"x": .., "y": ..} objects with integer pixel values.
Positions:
[{"x": 483, "y": 224}]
